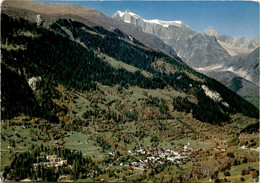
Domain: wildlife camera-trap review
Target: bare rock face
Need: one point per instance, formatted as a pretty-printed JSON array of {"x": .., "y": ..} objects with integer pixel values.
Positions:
[
  {"x": 241, "y": 75},
  {"x": 196, "y": 49},
  {"x": 32, "y": 82},
  {"x": 246, "y": 66}
]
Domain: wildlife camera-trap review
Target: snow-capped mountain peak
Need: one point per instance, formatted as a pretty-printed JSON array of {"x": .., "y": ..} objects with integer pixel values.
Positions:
[
  {"x": 164, "y": 23},
  {"x": 127, "y": 12},
  {"x": 130, "y": 17},
  {"x": 120, "y": 13}
]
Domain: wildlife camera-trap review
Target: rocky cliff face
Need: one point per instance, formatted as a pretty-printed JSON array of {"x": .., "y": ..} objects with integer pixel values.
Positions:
[
  {"x": 240, "y": 74},
  {"x": 196, "y": 49},
  {"x": 246, "y": 66},
  {"x": 241, "y": 86}
]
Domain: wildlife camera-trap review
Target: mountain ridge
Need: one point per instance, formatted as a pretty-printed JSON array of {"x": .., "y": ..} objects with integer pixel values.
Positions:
[
  {"x": 242, "y": 44},
  {"x": 50, "y": 12},
  {"x": 154, "y": 21},
  {"x": 183, "y": 40}
]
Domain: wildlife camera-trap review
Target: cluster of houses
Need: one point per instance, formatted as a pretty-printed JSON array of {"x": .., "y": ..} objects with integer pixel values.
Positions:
[
  {"x": 217, "y": 148},
  {"x": 51, "y": 161},
  {"x": 156, "y": 156}
]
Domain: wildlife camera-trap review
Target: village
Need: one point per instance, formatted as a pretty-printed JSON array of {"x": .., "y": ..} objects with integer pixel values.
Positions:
[
  {"x": 148, "y": 157},
  {"x": 144, "y": 158}
]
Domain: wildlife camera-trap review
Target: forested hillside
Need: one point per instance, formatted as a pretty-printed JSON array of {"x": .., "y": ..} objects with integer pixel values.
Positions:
[{"x": 67, "y": 52}]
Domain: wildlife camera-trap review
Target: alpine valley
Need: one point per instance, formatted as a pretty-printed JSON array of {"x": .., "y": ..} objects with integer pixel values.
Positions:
[{"x": 86, "y": 97}]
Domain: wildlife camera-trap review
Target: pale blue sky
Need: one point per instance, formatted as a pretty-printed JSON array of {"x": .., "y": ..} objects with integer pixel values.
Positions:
[{"x": 233, "y": 18}]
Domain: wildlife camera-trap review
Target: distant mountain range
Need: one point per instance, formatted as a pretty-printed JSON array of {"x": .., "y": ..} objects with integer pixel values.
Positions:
[
  {"x": 208, "y": 52},
  {"x": 196, "y": 49},
  {"x": 234, "y": 46}
]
